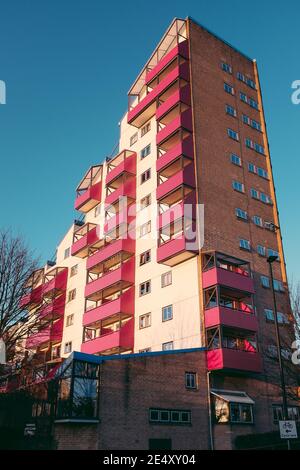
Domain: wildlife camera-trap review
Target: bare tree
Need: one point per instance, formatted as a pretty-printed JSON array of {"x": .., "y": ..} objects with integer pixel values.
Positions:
[{"x": 16, "y": 265}]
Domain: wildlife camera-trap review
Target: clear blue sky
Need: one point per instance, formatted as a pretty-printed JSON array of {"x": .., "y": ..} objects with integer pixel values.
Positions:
[{"x": 68, "y": 65}]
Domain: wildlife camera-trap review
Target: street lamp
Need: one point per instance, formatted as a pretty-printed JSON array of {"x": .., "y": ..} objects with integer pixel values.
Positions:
[{"x": 271, "y": 260}]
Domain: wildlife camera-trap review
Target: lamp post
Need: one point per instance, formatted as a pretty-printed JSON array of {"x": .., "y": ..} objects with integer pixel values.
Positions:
[{"x": 271, "y": 260}]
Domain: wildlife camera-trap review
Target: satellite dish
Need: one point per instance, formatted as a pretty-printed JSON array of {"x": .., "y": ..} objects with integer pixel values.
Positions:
[{"x": 2, "y": 352}]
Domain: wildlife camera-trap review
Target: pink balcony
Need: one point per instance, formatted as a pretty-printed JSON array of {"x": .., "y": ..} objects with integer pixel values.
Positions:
[
  {"x": 181, "y": 95},
  {"x": 186, "y": 208},
  {"x": 227, "y": 278},
  {"x": 55, "y": 282},
  {"x": 126, "y": 245},
  {"x": 233, "y": 359},
  {"x": 53, "y": 309},
  {"x": 123, "y": 305},
  {"x": 117, "y": 341},
  {"x": 124, "y": 162},
  {"x": 124, "y": 274},
  {"x": 232, "y": 318},
  {"x": 51, "y": 333},
  {"x": 33, "y": 298},
  {"x": 128, "y": 189},
  {"x": 88, "y": 199},
  {"x": 81, "y": 246},
  {"x": 147, "y": 106},
  {"x": 124, "y": 217},
  {"x": 184, "y": 148},
  {"x": 183, "y": 120},
  {"x": 182, "y": 49},
  {"x": 186, "y": 176}
]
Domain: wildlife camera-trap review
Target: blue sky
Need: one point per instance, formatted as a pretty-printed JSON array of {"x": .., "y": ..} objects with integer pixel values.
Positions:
[{"x": 68, "y": 66}]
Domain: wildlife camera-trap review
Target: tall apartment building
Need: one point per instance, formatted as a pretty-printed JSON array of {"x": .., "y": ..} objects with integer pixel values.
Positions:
[{"x": 142, "y": 274}]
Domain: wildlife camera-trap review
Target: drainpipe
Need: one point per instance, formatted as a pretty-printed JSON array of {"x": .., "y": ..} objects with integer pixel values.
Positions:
[{"x": 211, "y": 437}]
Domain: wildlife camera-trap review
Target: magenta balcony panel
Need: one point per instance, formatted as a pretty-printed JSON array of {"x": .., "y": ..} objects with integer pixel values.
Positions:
[
  {"x": 123, "y": 244},
  {"x": 124, "y": 273},
  {"x": 185, "y": 208},
  {"x": 127, "y": 164},
  {"x": 232, "y": 318},
  {"x": 124, "y": 305},
  {"x": 186, "y": 176},
  {"x": 183, "y": 120},
  {"x": 53, "y": 309},
  {"x": 181, "y": 71},
  {"x": 33, "y": 297},
  {"x": 182, "y": 95},
  {"x": 121, "y": 339},
  {"x": 89, "y": 198},
  {"x": 181, "y": 49},
  {"x": 176, "y": 251},
  {"x": 120, "y": 218},
  {"x": 59, "y": 282},
  {"x": 227, "y": 278},
  {"x": 128, "y": 189},
  {"x": 80, "y": 247},
  {"x": 184, "y": 148},
  {"x": 234, "y": 359}
]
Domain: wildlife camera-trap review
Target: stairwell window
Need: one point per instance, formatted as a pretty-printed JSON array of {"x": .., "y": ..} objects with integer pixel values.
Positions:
[
  {"x": 233, "y": 134},
  {"x": 237, "y": 186},
  {"x": 167, "y": 313},
  {"x": 229, "y": 89},
  {"x": 235, "y": 159},
  {"x": 145, "y": 151},
  {"x": 145, "y": 288},
  {"x": 245, "y": 244},
  {"x": 146, "y": 176}
]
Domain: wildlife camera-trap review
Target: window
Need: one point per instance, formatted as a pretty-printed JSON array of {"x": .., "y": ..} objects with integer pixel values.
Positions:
[
  {"x": 233, "y": 134},
  {"x": 74, "y": 270},
  {"x": 145, "y": 201},
  {"x": 145, "y": 321},
  {"x": 191, "y": 380},
  {"x": 278, "y": 286},
  {"x": 261, "y": 250},
  {"x": 235, "y": 159},
  {"x": 133, "y": 139},
  {"x": 146, "y": 128},
  {"x": 68, "y": 347},
  {"x": 146, "y": 176},
  {"x": 145, "y": 228},
  {"x": 167, "y": 313},
  {"x": 226, "y": 67},
  {"x": 158, "y": 415},
  {"x": 281, "y": 317},
  {"x": 145, "y": 257},
  {"x": 168, "y": 346},
  {"x": 230, "y": 110},
  {"x": 70, "y": 320},
  {"x": 245, "y": 244},
  {"x": 241, "y": 413},
  {"x": 166, "y": 279},
  {"x": 257, "y": 221},
  {"x": 67, "y": 253},
  {"x": 237, "y": 186},
  {"x": 71, "y": 295},
  {"x": 241, "y": 214},
  {"x": 229, "y": 89},
  {"x": 273, "y": 253},
  {"x": 145, "y": 288},
  {"x": 145, "y": 151},
  {"x": 265, "y": 281}
]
